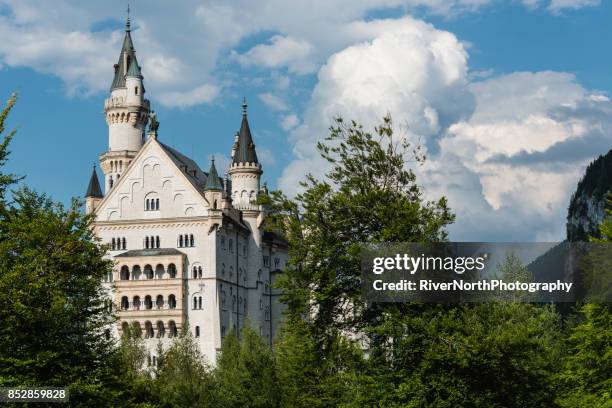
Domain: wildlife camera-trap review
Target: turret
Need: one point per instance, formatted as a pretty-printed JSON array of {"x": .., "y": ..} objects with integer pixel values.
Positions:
[
  {"x": 126, "y": 112},
  {"x": 93, "y": 195},
  {"x": 245, "y": 170},
  {"x": 214, "y": 191}
]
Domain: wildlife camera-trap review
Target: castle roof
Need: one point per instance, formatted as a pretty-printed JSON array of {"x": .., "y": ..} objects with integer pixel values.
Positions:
[
  {"x": 127, "y": 64},
  {"x": 93, "y": 189},
  {"x": 213, "y": 182},
  {"x": 245, "y": 149}
]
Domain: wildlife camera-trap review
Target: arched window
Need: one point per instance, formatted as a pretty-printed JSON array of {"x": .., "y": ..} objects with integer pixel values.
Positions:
[
  {"x": 148, "y": 330},
  {"x": 172, "y": 329},
  {"x": 148, "y": 272},
  {"x": 125, "y": 273},
  {"x": 191, "y": 240},
  {"x": 135, "y": 90},
  {"x": 113, "y": 244},
  {"x": 159, "y": 271},
  {"x": 199, "y": 272},
  {"x": 172, "y": 271},
  {"x": 136, "y": 303},
  {"x": 172, "y": 302},
  {"x": 159, "y": 302},
  {"x": 195, "y": 302},
  {"x": 180, "y": 241},
  {"x": 199, "y": 302},
  {"x": 160, "y": 329},
  {"x": 197, "y": 331},
  {"x": 195, "y": 272},
  {"x": 125, "y": 303},
  {"x": 148, "y": 302},
  {"x": 146, "y": 242},
  {"x": 157, "y": 241},
  {"x": 123, "y": 243},
  {"x": 136, "y": 272},
  {"x": 157, "y": 203}
]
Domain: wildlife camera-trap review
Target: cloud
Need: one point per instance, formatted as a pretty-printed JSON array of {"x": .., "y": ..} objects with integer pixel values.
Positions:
[
  {"x": 412, "y": 70},
  {"x": 202, "y": 94},
  {"x": 266, "y": 156},
  {"x": 273, "y": 102},
  {"x": 507, "y": 151},
  {"x": 281, "y": 51},
  {"x": 557, "y": 6},
  {"x": 289, "y": 122}
]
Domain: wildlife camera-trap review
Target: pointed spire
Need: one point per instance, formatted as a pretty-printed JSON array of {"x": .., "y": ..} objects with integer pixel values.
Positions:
[
  {"x": 212, "y": 181},
  {"x": 93, "y": 189},
  {"x": 127, "y": 22},
  {"x": 127, "y": 64},
  {"x": 245, "y": 149}
]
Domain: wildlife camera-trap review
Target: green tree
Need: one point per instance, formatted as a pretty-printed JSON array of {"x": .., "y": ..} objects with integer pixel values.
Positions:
[
  {"x": 55, "y": 313},
  {"x": 246, "y": 372},
  {"x": 587, "y": 378},
  {"x": 182, "y": 378},
  {"x": 369, "y": 195}
]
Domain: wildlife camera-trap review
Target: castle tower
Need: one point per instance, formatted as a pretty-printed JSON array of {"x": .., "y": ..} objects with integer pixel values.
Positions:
[
  {"x": 245, "y": 170},
  {"x": 126, "y": 112},
  {"x": 93, "y": 195}
]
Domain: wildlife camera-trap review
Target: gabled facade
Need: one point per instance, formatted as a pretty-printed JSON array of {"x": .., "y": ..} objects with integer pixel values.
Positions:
[{"x": 188, "y": 246}]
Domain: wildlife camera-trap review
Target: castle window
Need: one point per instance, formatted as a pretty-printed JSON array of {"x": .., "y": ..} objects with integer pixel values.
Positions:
[
  {"x": 148, "y": 271},
  {"x": 180, "y": 241},
  {"x": 266, "y": 261},
  {"x": 135, "y": 90},
  {"x": 113, "y": 244},
  {"x": 160, "y": 329},
  {"x": 146, "y": 243},
  {"x": 148, "y": 330},
  {"x": 159, "y": 302},
  {"x": 197, "y": 331},
  {"x": 125, "y": 303},
  {"x": 136, "y": 303},
  {"x": 197, "y": 302},
  {"x": 191, "y": 240},
  {"x": 123, "y": 243},
  {"x": 154, "y": 361},
  {"x": 172, "y": 302},
  {"x": 125, "y": 329},
  {"x": 276, "y": 262},
  {"x": 223, "y": 242},
  {"x": 151, "y": 202},
  {"x": 199, "y": 272},
  {"x": 157, "y": 241},
  {"x": 148, "y": 302},
  {"x": 172, "y": 271},
  {"x": 125, "y": 273}
]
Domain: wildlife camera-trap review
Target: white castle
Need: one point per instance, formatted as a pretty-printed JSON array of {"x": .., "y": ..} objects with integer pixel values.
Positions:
[{"x": 188, "y": 246}]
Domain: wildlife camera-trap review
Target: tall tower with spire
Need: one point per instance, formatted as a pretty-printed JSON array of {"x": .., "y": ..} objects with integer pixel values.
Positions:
[
  {"x": 245, "y": 170},
  {"x": 126, "y": 112}
]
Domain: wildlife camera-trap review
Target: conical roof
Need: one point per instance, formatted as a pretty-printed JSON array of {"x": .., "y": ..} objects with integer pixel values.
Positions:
[
  {"x": 127, "y": 64},
  {"x": 93, "y": 189},
  {"x": 245, "y": 149},
  {"x": 213, "y": 182}
]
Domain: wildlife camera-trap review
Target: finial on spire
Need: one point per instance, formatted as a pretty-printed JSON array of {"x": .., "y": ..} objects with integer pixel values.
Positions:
[
  {"x": 94, "y": 166},
  {"x": 213, "y": 159},
  {"x": 244, "y": 106},
  {"x": 127, "y": 22}
]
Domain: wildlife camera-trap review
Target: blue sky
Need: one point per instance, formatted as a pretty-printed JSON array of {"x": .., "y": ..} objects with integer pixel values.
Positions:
[{"x": 509, "y": 98}]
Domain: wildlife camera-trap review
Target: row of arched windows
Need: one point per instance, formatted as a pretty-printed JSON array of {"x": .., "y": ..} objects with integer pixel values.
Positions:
[
  {"x": 152, "y": 204},
  {"x": 186, "y": 240},
  {"x": 151, "y": 242},
  {"x": 118, "y": 243},
  {"x": 148, "y": 273},
  {"x": 147, "y": 303},
  {"x": 159, "y": 331}
]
